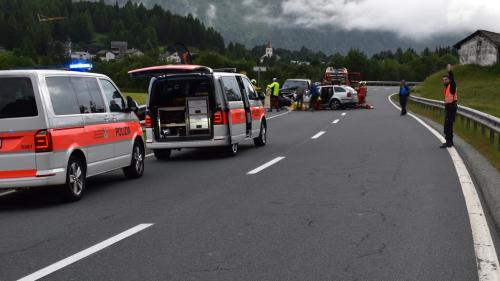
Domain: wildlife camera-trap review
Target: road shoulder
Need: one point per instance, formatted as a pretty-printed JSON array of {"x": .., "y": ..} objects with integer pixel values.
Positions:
[{"x": 482, "y": 172}]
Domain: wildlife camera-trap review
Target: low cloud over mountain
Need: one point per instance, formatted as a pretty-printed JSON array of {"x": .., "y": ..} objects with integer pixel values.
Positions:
[{"x": 338, "y": 25}]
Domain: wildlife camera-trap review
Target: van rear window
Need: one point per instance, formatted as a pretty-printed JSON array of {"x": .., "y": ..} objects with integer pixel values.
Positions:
[{"x": 17, "y": 98}]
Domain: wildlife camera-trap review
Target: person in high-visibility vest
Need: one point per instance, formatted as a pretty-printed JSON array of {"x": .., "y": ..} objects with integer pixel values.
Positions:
[
  {"x": 450, "y": 106},
  {"x": 275, "y": 87},
  {"x": 255, "y": 86}
]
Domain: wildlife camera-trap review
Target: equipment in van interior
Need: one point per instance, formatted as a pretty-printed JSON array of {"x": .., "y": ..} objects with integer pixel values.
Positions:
[{"x": 182, "y": 108}]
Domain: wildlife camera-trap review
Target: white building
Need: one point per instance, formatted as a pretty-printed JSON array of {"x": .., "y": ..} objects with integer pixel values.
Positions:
[
  {"x": 106, "y": 55},
  {"x": 172, "y": 57},
  {"x": 482, "y": 47},
  {"x": 300, "y": 62},
  {"x": 269, "y": 52},
  {"x": 134, "y": 52},
  {"x": 80, "y": 55}
]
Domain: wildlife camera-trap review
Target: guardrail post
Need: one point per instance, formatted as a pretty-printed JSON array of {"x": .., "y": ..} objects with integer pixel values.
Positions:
[
  {"x": 492, "y": 136},
  {"x": 483, "y": 130},
  {"x": 468, "y": 123}
]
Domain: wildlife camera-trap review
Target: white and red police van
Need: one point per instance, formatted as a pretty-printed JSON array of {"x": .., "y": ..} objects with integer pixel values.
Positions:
[
  {"x": 191, "y": 106},
  {"x": 61, "y": 127}
]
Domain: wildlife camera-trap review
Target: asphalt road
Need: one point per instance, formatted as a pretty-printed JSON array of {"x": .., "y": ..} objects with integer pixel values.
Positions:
[{"x": 373, "y": 198}]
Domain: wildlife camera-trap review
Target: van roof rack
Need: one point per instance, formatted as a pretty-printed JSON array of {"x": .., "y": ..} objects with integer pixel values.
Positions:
[{"x": 226, "y": 69}]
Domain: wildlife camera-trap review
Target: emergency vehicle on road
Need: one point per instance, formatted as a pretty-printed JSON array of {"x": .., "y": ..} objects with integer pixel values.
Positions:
[
  {"x": 61, "y": 127},
  {"x": 192, "y": 106}
]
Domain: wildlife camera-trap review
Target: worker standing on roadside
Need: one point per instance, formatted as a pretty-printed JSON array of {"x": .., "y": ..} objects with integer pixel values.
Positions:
[
  {"x": 450, "y": 106},
  {"x": 314, "y": 96},
  {"x": 301, "y": 91},
  {"x": 275, "y": 92},
  {"x": 255, "y": 86},
  {"x": 404, "y": 93}
]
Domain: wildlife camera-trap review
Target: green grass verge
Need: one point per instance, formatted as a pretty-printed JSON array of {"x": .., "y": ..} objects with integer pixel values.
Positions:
[
  {"x": 478, "y": 87},
  {"x": 468, "y": 132},
  {"x": 139, "y": 97}
]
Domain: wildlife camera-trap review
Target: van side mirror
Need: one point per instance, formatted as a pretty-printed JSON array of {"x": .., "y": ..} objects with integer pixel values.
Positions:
[{"x": 132, "y": 105}]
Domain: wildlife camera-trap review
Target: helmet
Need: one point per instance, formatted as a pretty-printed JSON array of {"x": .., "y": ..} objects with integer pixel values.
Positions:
[
  {"x": 254, "y": 81},
  {"x": 275, "y": 79}
]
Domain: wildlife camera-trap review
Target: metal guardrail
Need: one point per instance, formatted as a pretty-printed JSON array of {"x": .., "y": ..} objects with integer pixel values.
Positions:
[
  {"x": 469, "y": 116},
  {"x": 390, "y": 83}
]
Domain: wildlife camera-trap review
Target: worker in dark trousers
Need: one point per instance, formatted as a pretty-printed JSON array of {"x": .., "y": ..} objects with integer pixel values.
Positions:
[
  {"x": 450, "y": 106},
  {"x": 275, "y": 92},
  {"x": 314, "y": 92},
  {"x": 301, "y": 91},
  {"x": 404, "y": 93}
]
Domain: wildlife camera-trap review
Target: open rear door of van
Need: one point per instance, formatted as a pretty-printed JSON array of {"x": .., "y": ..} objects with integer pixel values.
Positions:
[{"x": 155, "y": 71}]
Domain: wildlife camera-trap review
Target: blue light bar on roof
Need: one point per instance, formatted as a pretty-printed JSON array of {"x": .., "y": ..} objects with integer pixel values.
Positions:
[{"x": 80, "y": 66}]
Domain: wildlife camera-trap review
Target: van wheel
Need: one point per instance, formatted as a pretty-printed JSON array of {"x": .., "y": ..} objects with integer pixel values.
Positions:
[
  {"x": 162, "y": 154},
  {"x": 335, "y": 104},
  {"x": 261, "y": 140},
  {"x": 75, "y": 179},
  {"x": 136, "y": 168},
  {"x": 232, "y": 149}
]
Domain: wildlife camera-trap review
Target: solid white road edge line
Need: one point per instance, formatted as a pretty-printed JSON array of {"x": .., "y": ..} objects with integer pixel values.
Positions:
[
  {"x": 336, "y": 121},
  {"x": 318, "y": 135},
  {"x": 265, "y": 166},
  {"x": 7, "y": 193},
  {"x": 486, "y": 256},
  {"x": 85, "y": 253},
  {"x": 278, "y": 115},
  {"x": 149, "y": 155}
]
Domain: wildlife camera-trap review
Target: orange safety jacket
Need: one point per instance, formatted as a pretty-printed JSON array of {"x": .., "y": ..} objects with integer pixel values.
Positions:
[{"x": 448, "y": 97}]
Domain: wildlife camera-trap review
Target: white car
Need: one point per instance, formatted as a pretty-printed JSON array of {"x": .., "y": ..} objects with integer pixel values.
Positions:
[{"x": 336, "y": 96}]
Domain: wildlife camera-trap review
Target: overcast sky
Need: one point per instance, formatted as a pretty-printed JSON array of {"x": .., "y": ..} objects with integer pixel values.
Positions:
[{"x": 415, "y": 19}]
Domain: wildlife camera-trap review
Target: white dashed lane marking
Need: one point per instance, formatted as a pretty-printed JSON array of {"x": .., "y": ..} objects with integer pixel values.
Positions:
[
  {"x": 266, "y": 165},
  {"x": 85, "y": 253},
  {"x": 318, "y": 135},
  {"x": 5, "y": 193}
]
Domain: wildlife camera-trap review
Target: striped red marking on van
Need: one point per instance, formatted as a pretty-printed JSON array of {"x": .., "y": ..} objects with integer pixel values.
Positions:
[
  {"x": 64, "y": 139},
  {"x": 238, "y": 116},
  {"x": 257, "y": 112},
  {"x": 17, "y": 174}
]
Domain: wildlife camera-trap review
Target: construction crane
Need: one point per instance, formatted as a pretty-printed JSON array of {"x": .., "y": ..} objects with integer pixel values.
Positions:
[{"x": 42, "y": 18}]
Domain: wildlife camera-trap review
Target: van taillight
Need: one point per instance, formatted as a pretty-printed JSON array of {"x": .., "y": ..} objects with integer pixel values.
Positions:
[
  {"x": 220, "y": 117},
  {"x": 43, "y": 141},
  {"x": 147, "y": 121}
]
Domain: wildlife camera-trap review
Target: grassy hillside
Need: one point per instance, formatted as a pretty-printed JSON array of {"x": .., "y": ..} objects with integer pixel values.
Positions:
[{"x": 478, "y": 87}]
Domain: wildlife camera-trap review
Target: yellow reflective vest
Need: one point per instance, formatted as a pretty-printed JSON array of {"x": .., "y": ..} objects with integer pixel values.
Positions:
[{"x": 275, "y": 86}]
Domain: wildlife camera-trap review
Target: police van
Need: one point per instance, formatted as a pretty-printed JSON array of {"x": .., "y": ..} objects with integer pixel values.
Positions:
[
  {"x": 191, "y": 106},
  {"x": 61, "y": 127}
]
